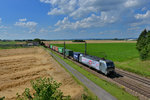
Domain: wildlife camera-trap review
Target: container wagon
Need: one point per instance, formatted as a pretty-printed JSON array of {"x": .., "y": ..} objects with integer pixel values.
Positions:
[
  {"x": 102, "y": 65},
  {"x": 51, "y": 46},
  {"x": 61, "y": 50},
  {"x": 76, "y": 56},
  {"x": 47, "y": 45},
  {"x": 56, "y": 48},
  {"x": 68, "y": 52}
]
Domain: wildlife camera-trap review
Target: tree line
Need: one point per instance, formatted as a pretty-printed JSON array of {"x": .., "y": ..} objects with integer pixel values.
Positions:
[{"x": 143, "y": 45}]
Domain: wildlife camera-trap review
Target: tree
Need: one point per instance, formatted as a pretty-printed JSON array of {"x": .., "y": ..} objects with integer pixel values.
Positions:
[
  {"x": 141, "y": 41},
  {"x": 37, "y": 40},
  {"x": 143, "y": 44}
]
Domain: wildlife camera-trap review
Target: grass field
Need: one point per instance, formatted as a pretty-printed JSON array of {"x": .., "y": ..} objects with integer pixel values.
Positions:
[
  {"x": 116, "y": 91},
  {"x": 124, "y": 55},
  {"x": 10, "y": 47},
  {"x": 8, "y": 42}
]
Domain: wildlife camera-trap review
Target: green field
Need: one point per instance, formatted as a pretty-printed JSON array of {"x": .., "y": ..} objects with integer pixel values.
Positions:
[
  {"x": 11, "y": 47},
  {"x": 124, "y": 55},
  {"x": 8, "y": 42}
]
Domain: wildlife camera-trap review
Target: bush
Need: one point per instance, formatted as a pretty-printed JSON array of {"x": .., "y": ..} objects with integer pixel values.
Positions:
[
  {"x": 87, "y": 97},
  {"x": 45, "y": 89},
  {"x": 2, "y": 98}
]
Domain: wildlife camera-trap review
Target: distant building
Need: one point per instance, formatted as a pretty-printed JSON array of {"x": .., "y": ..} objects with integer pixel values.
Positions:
[
  {"x": 131, "y": 39},
  {"x": 32, "y": 43}
]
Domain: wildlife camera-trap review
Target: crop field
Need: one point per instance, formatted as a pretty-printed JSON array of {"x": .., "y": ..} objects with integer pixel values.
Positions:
[
  {"x": 124, "y": 55},
  {"x": 19, "y": 66},
  {"x": 89, "y": 41}
]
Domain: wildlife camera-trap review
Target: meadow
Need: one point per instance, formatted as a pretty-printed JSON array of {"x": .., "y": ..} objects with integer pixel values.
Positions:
[
  {"x": 11, "y": 44},
  {"x": 124, "y": 55},
  {"x": 8, "y": 42}
]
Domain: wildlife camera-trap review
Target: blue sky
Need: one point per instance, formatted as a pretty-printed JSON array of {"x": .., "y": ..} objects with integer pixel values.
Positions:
[{"x": 73, "y": 19}]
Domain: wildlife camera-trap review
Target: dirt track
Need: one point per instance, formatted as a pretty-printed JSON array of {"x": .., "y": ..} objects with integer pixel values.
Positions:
[{"x": 19, "y": 66}]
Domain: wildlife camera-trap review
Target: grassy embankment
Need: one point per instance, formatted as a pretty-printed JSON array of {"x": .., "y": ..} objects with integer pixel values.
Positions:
[
  {"x": 113, "y": 89},
  {"x": 124, "y": 55}
]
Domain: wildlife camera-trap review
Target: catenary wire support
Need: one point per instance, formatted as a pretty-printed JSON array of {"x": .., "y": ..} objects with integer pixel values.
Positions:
[
  {"x": 64, "y": 49},
  {"x": 85, "y": 47}
]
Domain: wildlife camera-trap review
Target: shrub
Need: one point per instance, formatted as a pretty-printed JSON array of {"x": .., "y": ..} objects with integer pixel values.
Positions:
[
  {"x": 2, "y": 98},
  {"x": 45, "y": 89},
  {"x": 87, "y": 97}
]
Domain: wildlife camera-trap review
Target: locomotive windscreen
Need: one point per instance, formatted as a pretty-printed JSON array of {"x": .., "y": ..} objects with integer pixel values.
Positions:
[{"x": 110, "y": 64}]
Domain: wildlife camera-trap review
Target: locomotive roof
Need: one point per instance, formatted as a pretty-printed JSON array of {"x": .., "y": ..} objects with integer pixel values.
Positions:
[{"x": 96, "y": 58}]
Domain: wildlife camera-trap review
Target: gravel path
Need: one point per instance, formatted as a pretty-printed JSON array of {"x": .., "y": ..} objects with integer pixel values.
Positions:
[{"x": 99, "y": 92}]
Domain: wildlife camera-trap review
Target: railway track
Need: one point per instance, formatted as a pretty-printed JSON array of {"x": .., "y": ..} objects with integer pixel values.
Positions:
[
  {"x": 133, "y": 76},
  {"x": 130, "y": 83},
  {"x": 129, "y": 80}
]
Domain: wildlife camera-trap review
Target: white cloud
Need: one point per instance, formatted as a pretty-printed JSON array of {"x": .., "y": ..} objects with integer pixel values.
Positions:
[
  {"x": 31, "y": 25},
  {"x": 62, "y": 6},
  {"x": 42, "y": 30},
  {"x": 96, "y": 13},
  {"x": 143, "y": 16},
  {"x": 92, "y": 21},
  {"x": 46, "y": 1},
  {"x": 142, "y": 19},
  {"x": 32, "y": 30},
  {"x": 82, "y": 8},
  {"x": 24, "y": 23},
  {"x": 2, "y": 27},
  {"x": 23, "y": 20},
  {"x": 132, "y": 3},
  {"x": 143, "y": 9}
]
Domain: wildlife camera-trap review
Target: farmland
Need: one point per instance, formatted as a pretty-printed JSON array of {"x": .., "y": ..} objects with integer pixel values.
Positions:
[
  {"x": 124, "y": 55},
  {"x": 89, "y": 41},
  {"x": 11, "y": 42},
  {"x": 20, "y": 66}
]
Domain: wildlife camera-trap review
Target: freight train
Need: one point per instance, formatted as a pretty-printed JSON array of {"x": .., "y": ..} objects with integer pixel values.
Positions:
[{"x": 106, "y": 67}]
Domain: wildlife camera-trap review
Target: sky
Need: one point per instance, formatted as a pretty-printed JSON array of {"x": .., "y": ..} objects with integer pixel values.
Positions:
[{"x": 73, "y": 19}]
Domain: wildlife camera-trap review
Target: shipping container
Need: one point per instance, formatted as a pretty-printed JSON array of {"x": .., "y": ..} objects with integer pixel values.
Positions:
[
  {"x": 47, "y": 45},
  {"x": 76, "y": 55},
  {"x": 51, "y": 46},
  {"x": 68, "y": 52},
  {"x": 60, "y": 49},
  {"x": 56, "y": 48}
]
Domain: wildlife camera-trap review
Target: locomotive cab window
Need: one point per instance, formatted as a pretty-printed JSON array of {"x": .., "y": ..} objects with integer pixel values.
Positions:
[{"x": 111, "y": 64}]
